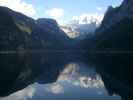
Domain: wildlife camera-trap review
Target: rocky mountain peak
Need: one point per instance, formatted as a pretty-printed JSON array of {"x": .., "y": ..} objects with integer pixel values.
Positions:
[
  {"x": 115, "y": 15},
  {"x": 127, "y": 1},
  {"x": 47, "y": 21},
  {"x": 127, "y": 6}
]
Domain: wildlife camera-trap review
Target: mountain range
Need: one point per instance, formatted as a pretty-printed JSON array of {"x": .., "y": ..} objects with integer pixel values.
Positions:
[
  {"x": 75, "y": 29},
  {"x": 115, "y": 32},
  {"x": 19, "y": 32},
  {"x": 109, "y": 48},
  {"x": 112, "y": 47}
]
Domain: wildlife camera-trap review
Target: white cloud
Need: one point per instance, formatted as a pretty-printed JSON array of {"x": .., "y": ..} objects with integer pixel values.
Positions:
[
  {"x": 20, "y": 6},
  {"x": 55, "y": 88},
  {"x": 55, "y": 13},
  {"x": 21, "y": 95},
  {"x": 89, "y": 17},
  {"x": 99, "y": 8}
]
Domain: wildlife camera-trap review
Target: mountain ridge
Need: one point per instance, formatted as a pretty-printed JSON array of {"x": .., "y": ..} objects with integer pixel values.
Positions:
[{"x": 28, "y": 31}]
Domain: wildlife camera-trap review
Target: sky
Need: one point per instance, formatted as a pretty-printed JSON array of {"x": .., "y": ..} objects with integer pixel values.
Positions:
[{"x": 61, "y": 10}]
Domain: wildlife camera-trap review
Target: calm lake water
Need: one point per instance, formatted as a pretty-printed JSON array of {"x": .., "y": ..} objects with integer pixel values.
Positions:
[{"x": 51, "y": 76}]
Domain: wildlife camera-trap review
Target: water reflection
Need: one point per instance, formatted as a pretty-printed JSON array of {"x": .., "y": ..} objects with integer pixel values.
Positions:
[
  {"x": 80, "y": 75},
  {"x": 51, "y": 76}
]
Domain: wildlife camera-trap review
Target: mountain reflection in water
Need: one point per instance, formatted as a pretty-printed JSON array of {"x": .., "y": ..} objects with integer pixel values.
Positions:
[{"x": 50, "y": 76}]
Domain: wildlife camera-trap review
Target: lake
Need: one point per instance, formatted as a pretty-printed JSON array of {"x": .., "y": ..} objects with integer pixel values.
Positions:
[{"x": 56, "y": 76}]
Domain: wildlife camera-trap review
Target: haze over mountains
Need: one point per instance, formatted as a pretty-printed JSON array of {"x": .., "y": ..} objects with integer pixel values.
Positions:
[{"x": 75, "y": 29}]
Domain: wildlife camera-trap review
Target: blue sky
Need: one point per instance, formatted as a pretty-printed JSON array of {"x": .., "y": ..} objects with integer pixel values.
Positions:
[
  {"x": 61, "y": 10},
  {"x": 73, "y": 7}
]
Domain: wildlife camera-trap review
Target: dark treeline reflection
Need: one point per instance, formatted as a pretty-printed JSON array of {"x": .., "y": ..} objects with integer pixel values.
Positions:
[
  {"x": 64, "y": 76},
  {"x": 116, "y": 71},
  {"x": 21, "y": 70}
]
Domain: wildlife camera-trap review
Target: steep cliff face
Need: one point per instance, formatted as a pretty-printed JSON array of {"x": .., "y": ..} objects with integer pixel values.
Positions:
[
  {"x": 9, "y": 31},
  {"x": 114, "y": 15},
  {"x": 50, "y": 23},
  {"x": 51, "y": 27},
  {"x": 127, "y": 7},
  {"x": 116, "y": 30},
  {"x": 19, "y": 32},
  {"x": 113, "y": 41}
]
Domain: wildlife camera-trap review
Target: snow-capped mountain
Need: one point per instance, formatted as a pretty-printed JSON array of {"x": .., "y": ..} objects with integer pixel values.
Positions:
[{"x": 81, "y": 28}]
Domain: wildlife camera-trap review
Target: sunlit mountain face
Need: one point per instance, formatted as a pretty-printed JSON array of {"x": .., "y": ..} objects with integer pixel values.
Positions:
[{"x": 82, "y": 26}]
